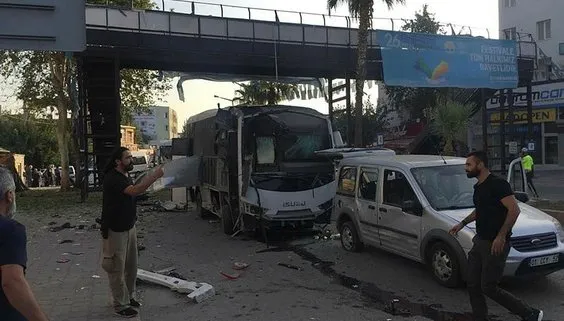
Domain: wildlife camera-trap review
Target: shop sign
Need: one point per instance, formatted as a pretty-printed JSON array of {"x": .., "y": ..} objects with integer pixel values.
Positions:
[{"x": 521, "y": 116}]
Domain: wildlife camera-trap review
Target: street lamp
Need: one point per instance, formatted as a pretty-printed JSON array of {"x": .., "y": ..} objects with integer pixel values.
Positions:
[{"x": 219, "y": 97}]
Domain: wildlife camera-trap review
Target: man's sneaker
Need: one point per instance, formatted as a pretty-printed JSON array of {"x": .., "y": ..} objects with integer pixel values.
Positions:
[
  {"x": 537, "y": 315},
  {"x": 134, "y": 304},
  {"x": 127, "y": 313}
]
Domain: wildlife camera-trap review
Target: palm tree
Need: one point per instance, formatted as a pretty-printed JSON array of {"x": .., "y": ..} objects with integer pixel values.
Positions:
[
  {"x": 450, "y": 121},
  {"x": 361, "y": 10},
  {"x": 264, "y": 92}
]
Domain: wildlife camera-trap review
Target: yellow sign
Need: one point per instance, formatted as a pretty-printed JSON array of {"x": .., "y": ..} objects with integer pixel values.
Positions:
[{"x": 520, "y": 116}]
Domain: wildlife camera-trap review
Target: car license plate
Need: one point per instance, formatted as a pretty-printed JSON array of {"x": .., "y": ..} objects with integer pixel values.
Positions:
[{"x": 544, "y": 260}]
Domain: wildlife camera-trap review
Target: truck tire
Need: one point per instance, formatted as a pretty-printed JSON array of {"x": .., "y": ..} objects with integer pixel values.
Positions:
[
  {"x": 227, "y": 219},
  {"x": 199, "y": 208}
]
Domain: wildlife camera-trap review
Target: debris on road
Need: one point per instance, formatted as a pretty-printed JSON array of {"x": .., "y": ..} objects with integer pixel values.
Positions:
[
  {"x": 198, "y": 292},
  {"x": 290, "y": 266},
  {"x": 63, "y": 260},
  {"x": 230, "y": 276},
  {"x": 240, "y": 266},
  {"x": 60, "y": 228},
  {"x": 95, "y": 276},
  {"x": 65, "y": 241},
  {"x": 165, "y": 270}
]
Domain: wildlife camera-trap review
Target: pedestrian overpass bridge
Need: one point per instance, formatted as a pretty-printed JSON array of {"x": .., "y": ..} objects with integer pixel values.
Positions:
[{"x": 165, "y": 40}]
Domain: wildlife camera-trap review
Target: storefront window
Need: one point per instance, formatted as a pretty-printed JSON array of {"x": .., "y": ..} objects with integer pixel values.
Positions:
[{"x": 551, "y": 145}]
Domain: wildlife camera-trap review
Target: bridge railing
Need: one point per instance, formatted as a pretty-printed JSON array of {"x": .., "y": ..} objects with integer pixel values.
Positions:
[
  {"x": 200, "y": 19},
  {"x": 194, "y": 25}
]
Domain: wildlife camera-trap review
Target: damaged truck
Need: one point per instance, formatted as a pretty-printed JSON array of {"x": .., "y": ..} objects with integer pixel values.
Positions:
[{"x": 260, "y": 166}]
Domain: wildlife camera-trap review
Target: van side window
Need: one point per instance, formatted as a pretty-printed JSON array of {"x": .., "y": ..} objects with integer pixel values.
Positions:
[
  {"x": 368, "y": 183},
  {"x": 397, "y": 189},
  {"x": 347, "y": 181}
]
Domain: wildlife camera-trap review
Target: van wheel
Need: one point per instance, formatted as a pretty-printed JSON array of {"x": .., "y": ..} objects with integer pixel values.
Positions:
[
  {"x": 444, "y": 265},
  {"x": 227, "y": 219},
  {"x": 349, "y": 237}
]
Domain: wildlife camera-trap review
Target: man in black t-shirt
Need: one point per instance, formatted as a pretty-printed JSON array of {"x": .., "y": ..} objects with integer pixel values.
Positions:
[
  {"x": 17, "y": 302},
  {"x": 119, "y": 214},
  {"x": 495, "y": 213}
]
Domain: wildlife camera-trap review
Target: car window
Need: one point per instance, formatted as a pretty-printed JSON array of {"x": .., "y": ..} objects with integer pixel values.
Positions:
[
  {"x": 367, "y": 184},
  {"x": 347, "y": 181},
  {"x": 397, "y": 189}
]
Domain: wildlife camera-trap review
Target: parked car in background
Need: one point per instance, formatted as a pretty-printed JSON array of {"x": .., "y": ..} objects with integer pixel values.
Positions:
[{"x": 406, "y": 204}]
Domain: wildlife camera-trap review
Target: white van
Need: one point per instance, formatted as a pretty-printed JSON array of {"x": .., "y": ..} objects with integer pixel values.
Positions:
[
  {"x": 140, "y": 163},
  {"x": 406, "y": 204}
]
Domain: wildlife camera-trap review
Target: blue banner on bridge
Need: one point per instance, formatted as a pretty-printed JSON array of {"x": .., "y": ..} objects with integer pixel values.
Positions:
[{"x": 427, "y": 60}]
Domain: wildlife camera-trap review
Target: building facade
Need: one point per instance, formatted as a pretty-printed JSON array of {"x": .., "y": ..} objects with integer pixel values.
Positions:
[
  {"x": 539, "y": 21},
  {"x": 548, "y": 114},
  {"x": 128, "y": 137},
  {"x": 160, "y": 123}
]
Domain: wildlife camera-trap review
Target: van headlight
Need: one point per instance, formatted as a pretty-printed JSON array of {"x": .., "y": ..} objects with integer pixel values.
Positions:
[{"x": 559, "y": 230}]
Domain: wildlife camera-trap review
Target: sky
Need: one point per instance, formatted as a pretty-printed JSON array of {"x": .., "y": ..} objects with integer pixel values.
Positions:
[{"x": 480, "y": 15}]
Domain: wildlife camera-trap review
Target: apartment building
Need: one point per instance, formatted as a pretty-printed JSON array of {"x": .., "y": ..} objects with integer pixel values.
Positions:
[
  {"x": 539, "y": 21},
  {"x": 160, "y": 123}
]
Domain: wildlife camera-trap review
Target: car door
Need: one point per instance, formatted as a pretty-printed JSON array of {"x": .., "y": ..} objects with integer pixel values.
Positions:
[
  {"x": 367, "y": 204},
  {"x": 399, "y": 214}
]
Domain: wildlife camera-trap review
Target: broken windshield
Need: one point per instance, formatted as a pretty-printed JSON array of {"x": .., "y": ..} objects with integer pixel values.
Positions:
[{"x": 288, "y": 137}]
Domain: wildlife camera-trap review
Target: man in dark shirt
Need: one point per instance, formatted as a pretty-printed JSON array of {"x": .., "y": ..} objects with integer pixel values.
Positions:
[
  {"x": 495, "y": 213},
  {"x": 119, "y": 215},
  {"x": 17, "y": 302}
]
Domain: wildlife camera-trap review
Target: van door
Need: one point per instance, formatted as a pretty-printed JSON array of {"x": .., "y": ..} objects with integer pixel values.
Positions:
[
  {"x": 367, "y": 204},
  {"x": 517, "y": 178},
  {"x": 399, "y": 215},
  {"x": 344, "y": 200}
]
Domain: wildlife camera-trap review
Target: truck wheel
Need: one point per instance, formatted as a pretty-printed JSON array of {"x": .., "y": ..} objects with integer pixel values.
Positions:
[
  {"x": 349, "y": 237},
  {"x": 227, "y": 219},
  {"x": 444, "y": 265}
]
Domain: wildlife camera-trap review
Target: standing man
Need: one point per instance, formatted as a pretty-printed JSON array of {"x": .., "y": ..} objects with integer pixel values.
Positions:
[
  {"x": 17, "y": 302},
  {"x": 529, "y": 167},
  {"x": 495, "y": 213},
  {"x": 119, "y": 214}
]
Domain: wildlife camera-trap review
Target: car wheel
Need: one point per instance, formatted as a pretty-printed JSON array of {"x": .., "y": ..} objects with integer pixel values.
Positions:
[
  {"x": 444, "y": 265},
  {"x": 349, "y": 237}
]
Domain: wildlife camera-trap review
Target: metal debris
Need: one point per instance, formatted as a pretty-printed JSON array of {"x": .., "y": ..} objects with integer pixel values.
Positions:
[{"x": 197, "y": 291}]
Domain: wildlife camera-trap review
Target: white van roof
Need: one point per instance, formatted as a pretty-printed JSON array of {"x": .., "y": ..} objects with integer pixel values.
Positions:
[{"x": 405, "y": 162}]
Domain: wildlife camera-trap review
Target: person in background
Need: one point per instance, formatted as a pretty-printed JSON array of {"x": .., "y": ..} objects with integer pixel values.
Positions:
[
  {"x": 119, "y": 215},
  {"x": 529, "y": 167},
  {"x": 496, "y": 211},
  {"x": 17, "y": 302}
]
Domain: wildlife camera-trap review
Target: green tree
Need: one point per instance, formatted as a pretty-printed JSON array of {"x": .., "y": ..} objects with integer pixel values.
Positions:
[
  {"x": 47, "y": 82},
  {"x": 28, "y": 135},
  {"x": 373, "y": 120},
  {"x": 417, "y": 100},
  {"x": 450, "y": 121},
  {"x": 264, "y": 92},
  {"x": 363, "y": 11}
]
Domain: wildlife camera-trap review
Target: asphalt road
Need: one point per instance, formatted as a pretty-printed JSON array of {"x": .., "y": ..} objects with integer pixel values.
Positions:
[
  {"x": 550, "y": 184},
  {"x": 320, "y": 281}
]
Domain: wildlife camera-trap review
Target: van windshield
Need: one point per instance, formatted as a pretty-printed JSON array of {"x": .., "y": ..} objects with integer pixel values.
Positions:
[
  {"x": 446, "y": 187},
  {"x": 139, "y": 160}
]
